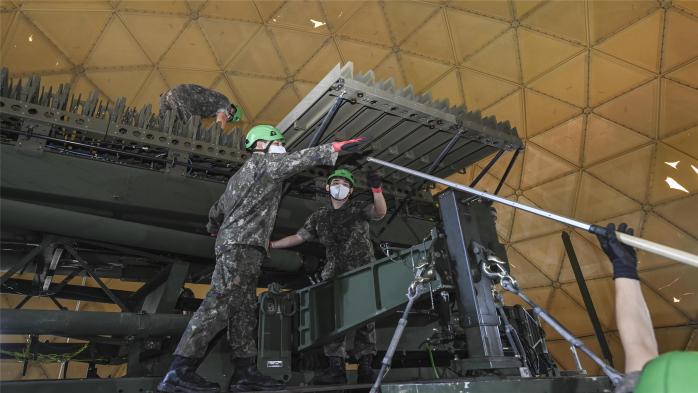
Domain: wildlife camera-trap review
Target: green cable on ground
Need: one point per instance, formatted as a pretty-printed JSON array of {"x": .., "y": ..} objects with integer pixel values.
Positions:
[
  {"x": 431, "y": 359},
  {"x": 50, "y": 358}
]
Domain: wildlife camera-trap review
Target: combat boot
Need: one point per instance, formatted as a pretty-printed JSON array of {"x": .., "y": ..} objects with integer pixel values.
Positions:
[
  {"x": 365, "y": 373},
  {"x": 247, "y": 378},
  {"x": 335, "y": 374},
  {"x": 182, "y": 378}
]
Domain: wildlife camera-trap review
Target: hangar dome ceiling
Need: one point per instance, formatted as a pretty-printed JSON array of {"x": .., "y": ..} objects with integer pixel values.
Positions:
[{"x": 604, "y": 94}]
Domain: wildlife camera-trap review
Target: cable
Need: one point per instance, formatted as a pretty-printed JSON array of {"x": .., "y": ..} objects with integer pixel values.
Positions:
[
  {"x": 44, "y": 358},
  {"x": 433, "y": 364}
]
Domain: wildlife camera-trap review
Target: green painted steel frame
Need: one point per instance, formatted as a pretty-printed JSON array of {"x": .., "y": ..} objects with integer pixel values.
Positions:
[
  {"x": 332, "y": 308},
  {"x": 103, "y": 129},
  {"x": 145, "y": 200}
]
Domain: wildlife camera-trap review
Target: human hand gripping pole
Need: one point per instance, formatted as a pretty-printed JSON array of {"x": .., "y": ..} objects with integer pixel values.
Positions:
[
  {"x": 625, "y": 238},
  {"x": 623, "y": 258},
  {"x": 373, "y": 179}
]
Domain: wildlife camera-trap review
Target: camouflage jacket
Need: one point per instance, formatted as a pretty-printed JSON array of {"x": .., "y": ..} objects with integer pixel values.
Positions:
[
  {"x": 345, "y": 234},
  {"x": 193, "y": 100},
  {"x": 246, "y": 212}
]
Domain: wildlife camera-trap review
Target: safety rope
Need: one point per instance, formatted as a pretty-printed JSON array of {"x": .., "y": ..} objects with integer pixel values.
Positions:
[{"x": 495, "y": 269}]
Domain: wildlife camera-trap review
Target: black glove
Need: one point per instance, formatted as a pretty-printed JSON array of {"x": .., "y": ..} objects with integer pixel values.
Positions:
[
  {"x": 374, "y": 179},
  {"x": 622, "y": 257}
]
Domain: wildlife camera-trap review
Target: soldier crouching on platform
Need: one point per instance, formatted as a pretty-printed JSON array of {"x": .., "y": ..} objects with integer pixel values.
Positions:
[
  {"x": 242, "y": 218},
  {"x": 343, "y": 228},
  {"x": 189, "y": 100}
]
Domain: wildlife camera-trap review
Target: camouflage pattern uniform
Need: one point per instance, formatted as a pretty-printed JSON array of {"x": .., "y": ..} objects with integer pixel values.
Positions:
[
  {"x": 189, "y": 100},
  {"x": 345, "y": 234},
  {"x": 243, "y": 217}
]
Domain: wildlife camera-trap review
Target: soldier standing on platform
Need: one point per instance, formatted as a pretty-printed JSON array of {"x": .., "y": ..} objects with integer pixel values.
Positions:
[
  {"x": 242, "y": 220},
  {"x": 343, "y": 228}
]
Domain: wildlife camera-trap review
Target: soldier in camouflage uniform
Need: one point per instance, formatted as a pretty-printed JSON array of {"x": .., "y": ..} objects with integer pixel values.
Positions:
[
  {"x": 242, "y": 219},
  {"x": 189, "y": 100},
  {"x": 343, "y": 228}
]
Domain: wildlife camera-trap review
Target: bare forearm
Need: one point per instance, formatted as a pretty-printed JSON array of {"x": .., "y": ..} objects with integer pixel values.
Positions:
[
  {"x": 379, "y": 205},
  {"x": 221, "y": 118},
  {"x": 634, "y": 324},
  {"x": 288, "y": 241}
]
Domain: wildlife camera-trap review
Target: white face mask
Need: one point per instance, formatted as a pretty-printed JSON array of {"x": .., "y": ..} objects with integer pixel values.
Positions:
[
  {"x": 277, "y": 149},
  {"x": 339, "y": 192}
]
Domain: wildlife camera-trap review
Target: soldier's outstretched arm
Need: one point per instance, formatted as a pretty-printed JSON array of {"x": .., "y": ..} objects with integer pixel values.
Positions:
[
  {"x": 307, "y": 232},
  {"x": 286, "y": 242},
  {"x": 632, "y": 315},
  {"x": 379, "y": 206},
  {"x": 326, "y": 154},
  {"x": 293, "y": 163}
]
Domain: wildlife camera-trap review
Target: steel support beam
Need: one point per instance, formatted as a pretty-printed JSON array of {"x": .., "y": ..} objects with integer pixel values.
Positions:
[
  {"x": 586, "y": 296},
  {"x": 22, "y": 263},
  {"x": 70, "y": 323},
  {"x": 70, "y": 292},
  {"x": 506, "y": 171},
  {"x": 435, "y": 164},
  {"x": 486, "y": 168},
  {"x": 382, "y": 284},
  {"x": 164, "y": 298},
  {"x": 326, "y": 121},
  {"x": 465, "y": 225},
  {"x": 142, "y": 202},
  {"x": 47, "y": 219},
  {"x": 87, "y": 294},
  {"x": 86, "y": 266},
  {"x": 151, "y": 285}
]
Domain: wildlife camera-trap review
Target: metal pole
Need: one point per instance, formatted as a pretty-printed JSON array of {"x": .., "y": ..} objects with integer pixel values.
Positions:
[
  {"x": 388, "y": 358},
  {"x": 445, "y": 151},
  {"x": 93, "y": 323},
  {"x": 588, "y": 303},
  {"x": 486, "y": 168},
  {"x": 646, "y": 245},
  {"x": 432, "y": 168},
  {"x": 326, "y": 120},
  {"x": 46, "y": 219},
  {"x": 612, "y": 373},
  {"x": 577, "y": 362},
  {"x": 63, "y": 371},
  {"x": 319, "y": 132},
  {"x": 506, "y": 171}
]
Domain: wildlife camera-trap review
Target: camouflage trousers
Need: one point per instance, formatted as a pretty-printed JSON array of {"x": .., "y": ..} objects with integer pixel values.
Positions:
[
  {"x": 362, "y": 341},
  {"x": 231, "y": 302}
]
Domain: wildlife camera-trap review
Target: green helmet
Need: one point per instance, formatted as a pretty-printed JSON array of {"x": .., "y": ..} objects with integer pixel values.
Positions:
[
  {"x": 671, "y": 372},
  {"x": 343, "y": 173},
  {"x": 238, "y": 115},
  {"x": 262, "y": 132}
]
